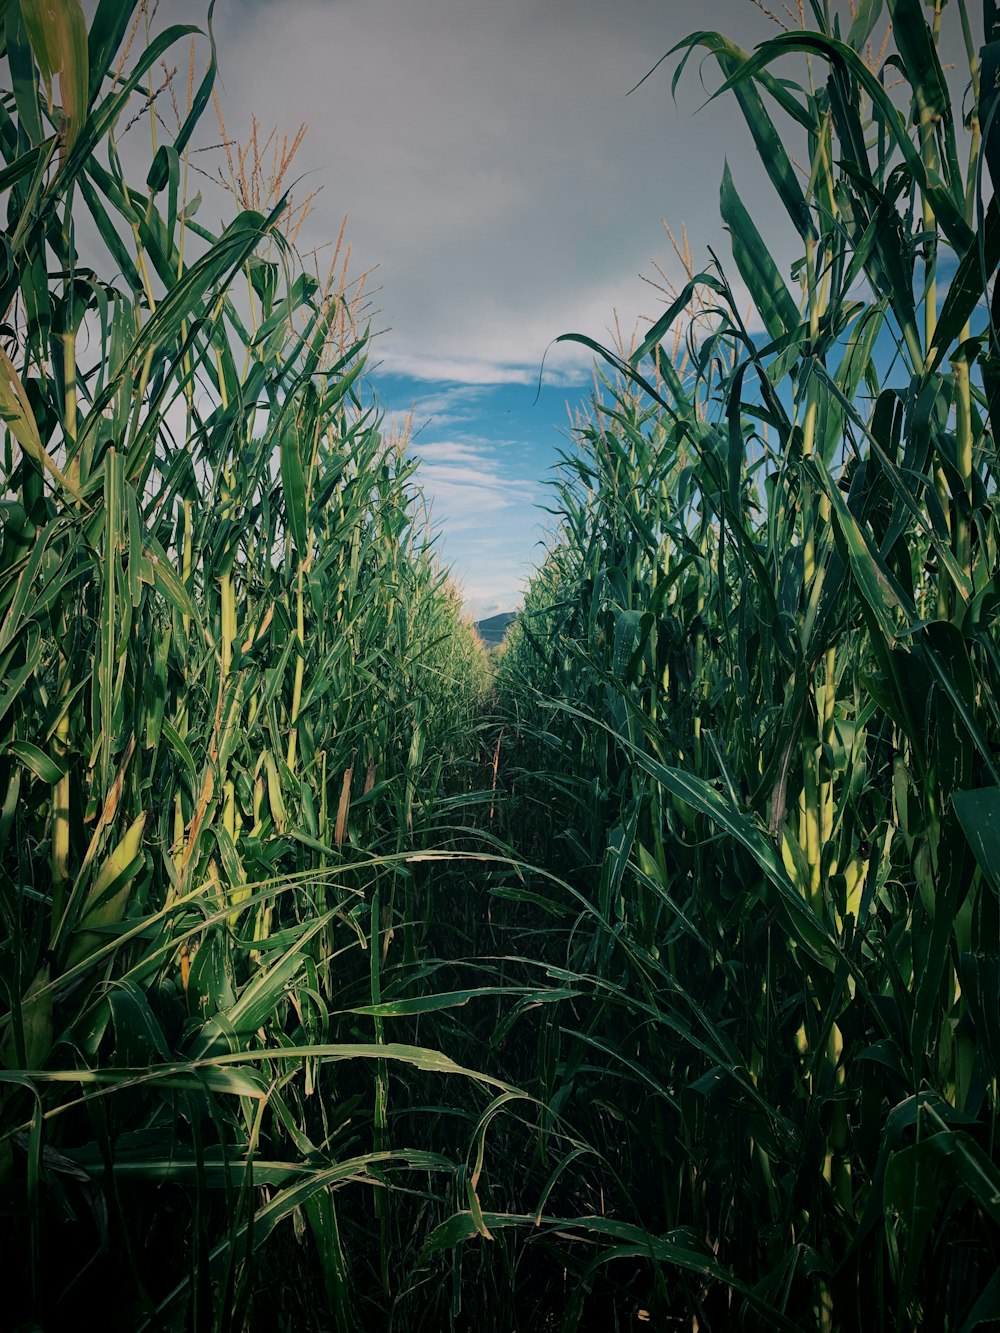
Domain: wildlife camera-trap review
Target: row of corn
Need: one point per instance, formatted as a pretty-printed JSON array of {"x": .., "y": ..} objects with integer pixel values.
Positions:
[{"x": 752, "y": 712}]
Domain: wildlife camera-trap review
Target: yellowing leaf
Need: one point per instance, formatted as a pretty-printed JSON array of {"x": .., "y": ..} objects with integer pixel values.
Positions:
[
  {"x": 17, "y": 416},
  {"x": 57, "y": 31}
]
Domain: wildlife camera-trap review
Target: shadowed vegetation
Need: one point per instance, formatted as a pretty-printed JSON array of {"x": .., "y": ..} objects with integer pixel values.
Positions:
[{"x": 756, "y": 697}]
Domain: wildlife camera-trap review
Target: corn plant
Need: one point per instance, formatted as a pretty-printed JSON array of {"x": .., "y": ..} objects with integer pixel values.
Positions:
[
  {"x": 759, "y": 668},
  {"x": 235, "y": 685}
]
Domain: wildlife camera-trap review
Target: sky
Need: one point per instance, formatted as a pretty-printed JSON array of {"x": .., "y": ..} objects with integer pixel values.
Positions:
[{"x": 504, "y": 187}]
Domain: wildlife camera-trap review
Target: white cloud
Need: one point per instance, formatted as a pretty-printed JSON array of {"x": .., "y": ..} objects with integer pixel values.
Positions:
[
  {"x": 444, "y": 407},
  {"x": 448, "y": 451},
  {"x": 462, "y": 481},
  {"x": 455, "y": 403},
  {"x": 484, "y": 514},
  {"x": 474, "y": 371},
  {"x": 492, "y": 164},
  {"x": 482, "y": 605}
]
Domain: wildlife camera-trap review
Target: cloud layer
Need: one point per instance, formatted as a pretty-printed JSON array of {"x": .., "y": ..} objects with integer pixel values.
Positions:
[{"x": 493, "y": 166}]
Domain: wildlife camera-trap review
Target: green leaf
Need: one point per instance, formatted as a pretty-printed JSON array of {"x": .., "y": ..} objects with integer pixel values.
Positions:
[
  {"x": 810, "y": 931},
  {"x": 979, "y": 815},
  {"x": 293, "y": 483},
  {"x": 107, "y": 31},
  {"x": 740, "y": 71},
  {"x": 949, "y": 211},
  {"x": 867, "y": 14},
  {"x": 168, "y": 581},
  {"x": 967, "y": 288},
  {"x": 920, "y": 58},
  {"x": 40, "y": 763},
  {"x": 430, "y": 1004},
  {"x": 758, "y": 270}
]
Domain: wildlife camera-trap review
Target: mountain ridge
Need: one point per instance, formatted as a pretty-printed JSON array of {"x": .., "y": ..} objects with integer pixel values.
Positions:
[{"x": 493, "y": 628}]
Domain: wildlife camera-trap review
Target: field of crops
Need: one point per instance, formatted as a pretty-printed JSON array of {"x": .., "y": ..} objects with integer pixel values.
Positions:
[{"x": 644, "y": 974}]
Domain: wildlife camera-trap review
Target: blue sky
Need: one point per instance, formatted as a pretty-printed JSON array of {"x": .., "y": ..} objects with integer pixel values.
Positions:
[
  {"x": 484, "y": 450},
  {"x": 502, "y": 188}
]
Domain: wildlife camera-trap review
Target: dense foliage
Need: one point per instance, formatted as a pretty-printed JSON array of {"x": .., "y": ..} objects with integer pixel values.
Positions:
[
  {"x": 646, "y": 973},
  {"x": 756, "y": 691},
  {"x": 231, "y": 676}
]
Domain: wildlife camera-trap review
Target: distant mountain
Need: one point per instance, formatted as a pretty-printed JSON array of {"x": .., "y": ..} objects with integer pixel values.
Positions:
[{"x": 493, "y": 628}]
